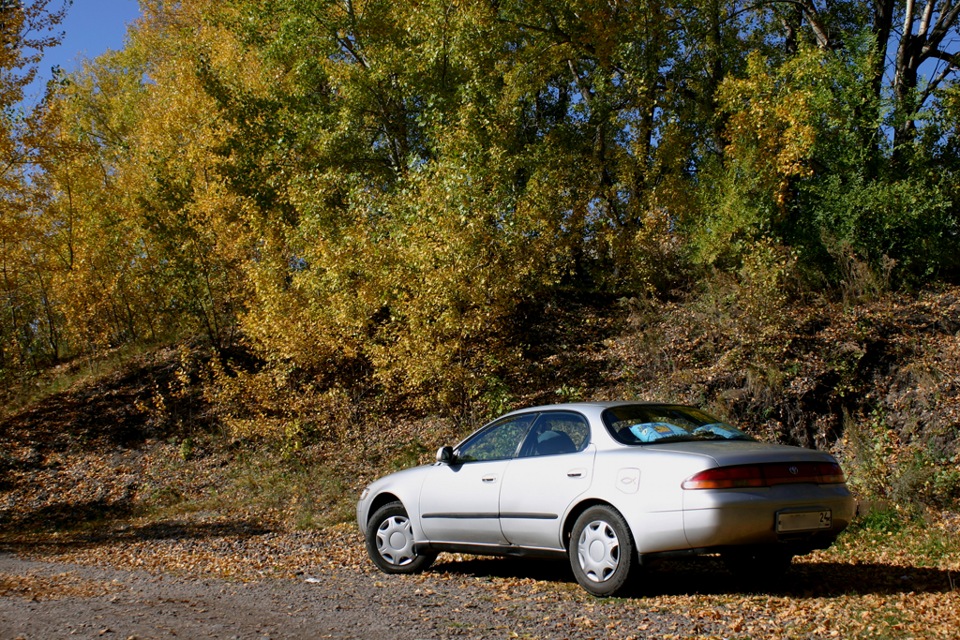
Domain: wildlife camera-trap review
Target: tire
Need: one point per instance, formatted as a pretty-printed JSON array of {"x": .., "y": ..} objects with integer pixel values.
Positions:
[
  {"x": 758, "y": 565},
  {"x": 601, "y": 551},
  {"x": 390, "y": 541}
]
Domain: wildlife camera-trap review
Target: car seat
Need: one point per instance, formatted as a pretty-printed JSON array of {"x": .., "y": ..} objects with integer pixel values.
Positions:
[{"x": 554, "y": 442}]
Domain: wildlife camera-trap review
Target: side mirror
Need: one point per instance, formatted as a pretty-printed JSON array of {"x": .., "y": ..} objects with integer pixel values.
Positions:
[{"x": 445, "y": 455}]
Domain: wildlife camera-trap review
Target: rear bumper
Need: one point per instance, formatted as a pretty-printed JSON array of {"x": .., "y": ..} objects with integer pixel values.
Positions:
[{"x": 735, "y": 517}]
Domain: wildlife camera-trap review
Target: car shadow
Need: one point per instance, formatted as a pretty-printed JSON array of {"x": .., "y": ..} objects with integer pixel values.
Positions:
[{"x": 707, "y": 576}]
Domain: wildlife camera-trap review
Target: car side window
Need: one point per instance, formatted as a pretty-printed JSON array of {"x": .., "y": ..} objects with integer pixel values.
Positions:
[
  {"x": 557, "y": 432},
  {"x": 500, "y": 441}
]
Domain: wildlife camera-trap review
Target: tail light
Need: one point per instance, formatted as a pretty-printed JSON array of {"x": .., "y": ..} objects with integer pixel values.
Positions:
[
  {"x": 766, "y": 475},
  {"x": 831, "y": 473}
]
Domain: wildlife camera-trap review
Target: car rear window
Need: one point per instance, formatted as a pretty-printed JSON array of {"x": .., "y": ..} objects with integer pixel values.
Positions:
[{"x": 651, "y": 423}]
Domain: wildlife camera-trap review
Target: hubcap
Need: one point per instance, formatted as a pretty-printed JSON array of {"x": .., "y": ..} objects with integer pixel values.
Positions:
[
  {"x": 599, "y": 551},
  {"x": 395, "y": 540}
]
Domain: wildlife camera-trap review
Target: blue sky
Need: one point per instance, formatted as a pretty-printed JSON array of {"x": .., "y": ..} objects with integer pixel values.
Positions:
[{"x": 90, "y": 28}]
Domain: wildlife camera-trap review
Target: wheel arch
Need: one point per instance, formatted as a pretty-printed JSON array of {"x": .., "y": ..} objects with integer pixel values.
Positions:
[
  {"x": 380, "y": 500},
  {"x": 575, "y": 513}
]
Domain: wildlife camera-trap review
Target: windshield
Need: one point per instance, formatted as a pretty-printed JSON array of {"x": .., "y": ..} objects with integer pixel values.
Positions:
[{"x": 649, "y": 423}]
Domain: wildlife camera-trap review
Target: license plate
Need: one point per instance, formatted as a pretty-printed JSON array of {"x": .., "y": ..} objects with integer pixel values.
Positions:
[{"x": 804, "y": 521}]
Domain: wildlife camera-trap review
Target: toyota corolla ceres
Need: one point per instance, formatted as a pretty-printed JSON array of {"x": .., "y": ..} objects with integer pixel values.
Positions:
[{"x": 608, "y": 485}]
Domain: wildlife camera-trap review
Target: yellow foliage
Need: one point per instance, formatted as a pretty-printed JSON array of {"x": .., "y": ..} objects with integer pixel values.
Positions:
[{"x": 773, "y": 117}]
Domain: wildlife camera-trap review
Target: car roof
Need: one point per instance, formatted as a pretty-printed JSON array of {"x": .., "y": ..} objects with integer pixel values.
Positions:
[
  {"x": 581, "y": 406},
  {"x": 592, "y": 411}
]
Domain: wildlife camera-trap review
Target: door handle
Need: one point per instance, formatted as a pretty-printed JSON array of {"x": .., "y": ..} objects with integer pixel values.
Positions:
[
  {"x": 488, "y": 479},
  {"x": 576, "y": 473}
]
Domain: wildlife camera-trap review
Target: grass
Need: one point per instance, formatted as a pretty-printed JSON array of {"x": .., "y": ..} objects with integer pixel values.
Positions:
[
  {"x": 297, "y": 491},
  {"x": 895, "y": 537},
  {"x": 80, "y": 370}
]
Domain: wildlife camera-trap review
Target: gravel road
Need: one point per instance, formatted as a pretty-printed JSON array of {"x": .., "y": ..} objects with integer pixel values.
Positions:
[
  {"x": 64, "y": 600},
  {"x": 91, "y": 602},
  {"x": 214, "y": 578},
  {"x": 235, "y": 580}
]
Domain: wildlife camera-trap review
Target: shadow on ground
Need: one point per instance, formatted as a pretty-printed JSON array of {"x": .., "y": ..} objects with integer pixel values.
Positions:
[
  {"x": 64, "y": 516},
  {"x": 105, "y": 534},
  {"x": 118, "y": 410},
  {"x": 707, "y": 576}
]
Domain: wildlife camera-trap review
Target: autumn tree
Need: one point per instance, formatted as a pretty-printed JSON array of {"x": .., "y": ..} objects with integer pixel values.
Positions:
[
  {"x": 28, "y": 332},
  {"x": 372, "y": 197}
]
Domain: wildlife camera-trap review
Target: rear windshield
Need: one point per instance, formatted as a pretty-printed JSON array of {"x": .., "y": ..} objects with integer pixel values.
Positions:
[{"x": 650, "y": 423}]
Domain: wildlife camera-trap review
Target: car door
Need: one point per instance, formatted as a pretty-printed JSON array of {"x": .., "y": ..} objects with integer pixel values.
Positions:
[
  {"x": 460, "y": 502},
  {"x": 554, "y": 467}
]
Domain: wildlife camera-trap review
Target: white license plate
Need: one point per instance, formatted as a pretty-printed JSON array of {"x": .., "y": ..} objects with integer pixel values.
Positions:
[{"x": 804, "y": 521}]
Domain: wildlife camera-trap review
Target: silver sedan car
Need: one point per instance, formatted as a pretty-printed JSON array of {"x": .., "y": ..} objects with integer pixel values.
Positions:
[{"x": 608, "y": 486}]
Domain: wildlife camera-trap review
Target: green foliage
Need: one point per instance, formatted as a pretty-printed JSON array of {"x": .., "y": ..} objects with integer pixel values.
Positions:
[
  {"x": 883, "y": 520},
  {"x": 910, "y": 222},
  {"x": 799, "y": 170},
  {"x": 916, "y": 470},
  {"x": 357, "y": 197}
]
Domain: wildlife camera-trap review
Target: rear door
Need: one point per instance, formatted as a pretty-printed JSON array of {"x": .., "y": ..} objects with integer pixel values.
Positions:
[{"x": 554, "y": 467}]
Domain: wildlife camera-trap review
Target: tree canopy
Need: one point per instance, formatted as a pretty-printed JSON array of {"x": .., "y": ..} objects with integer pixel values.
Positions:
[{"x": 369, "y": 194}]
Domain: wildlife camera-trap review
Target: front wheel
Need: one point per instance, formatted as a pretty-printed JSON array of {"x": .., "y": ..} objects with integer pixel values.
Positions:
[
  {"x": 390, "y": 541},
  {"x": 601, "y": 551}
]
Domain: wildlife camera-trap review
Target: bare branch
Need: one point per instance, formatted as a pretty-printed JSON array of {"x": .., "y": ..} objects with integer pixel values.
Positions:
[
  {"x": 810, "y": 12},
  {"x": 813, "y": 16},
  {"x": 906, "y": 39},
  {"x": 952, "y": 59},
  {"x": 925, "y": 20},
  {"x": 953, "y": 62},
  {"x": 945, "y": 21}
]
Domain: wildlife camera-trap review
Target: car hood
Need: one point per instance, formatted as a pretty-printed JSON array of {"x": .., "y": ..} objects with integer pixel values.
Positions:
[
  {"x": 407, "y": 477},
  {"x": 726, "y": 452}
]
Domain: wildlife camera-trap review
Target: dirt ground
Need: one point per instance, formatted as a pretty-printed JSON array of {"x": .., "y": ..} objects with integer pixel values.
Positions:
[
  {"x": 62, "y": 600},
  {"x": 223, "y": 580},
  {"x": 470, "y": 599}
]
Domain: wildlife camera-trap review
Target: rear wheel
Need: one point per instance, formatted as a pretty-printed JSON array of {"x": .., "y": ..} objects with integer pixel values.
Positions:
[
  {"x": 601, "y": 551},
  {"x": 390, "y": 541}
]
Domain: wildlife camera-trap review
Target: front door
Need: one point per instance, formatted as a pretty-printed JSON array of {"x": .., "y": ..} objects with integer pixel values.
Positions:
[{"x": 460, "y": 502}]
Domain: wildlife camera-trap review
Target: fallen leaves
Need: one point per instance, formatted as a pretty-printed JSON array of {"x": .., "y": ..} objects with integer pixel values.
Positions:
[
  {"x": 847, "y": 592},
  {"x": 64, "y": 585}
]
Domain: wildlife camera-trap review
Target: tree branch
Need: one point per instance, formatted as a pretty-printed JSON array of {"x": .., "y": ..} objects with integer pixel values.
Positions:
[
  {"x": 947, "y": 18},
  {"x": 933, "y": 84},
  {"x": 925, "y": 20},
  {"x": 809, "y": 11},
  {"x": 905, "y": 40}
]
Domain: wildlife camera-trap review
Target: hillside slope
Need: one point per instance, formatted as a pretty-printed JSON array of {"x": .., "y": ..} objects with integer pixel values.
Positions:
[{"x": 878, "y": 383}]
